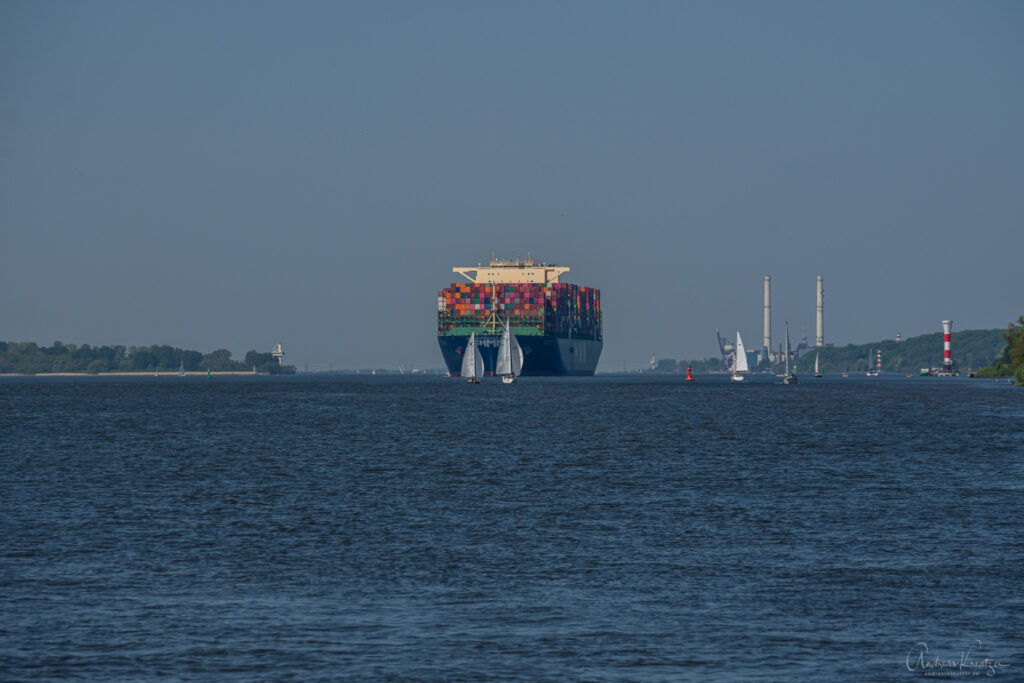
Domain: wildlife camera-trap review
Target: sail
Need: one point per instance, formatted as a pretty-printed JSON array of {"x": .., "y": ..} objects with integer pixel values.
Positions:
[
  {"x": 504, "y": 364},
  {"x": 517, "y": 356},
  {"x": 816, "y": 371},
  {"x": 741, "y": 356},
  {"x": 510, "y": 354},
  {"x": 472, "y": 361}
]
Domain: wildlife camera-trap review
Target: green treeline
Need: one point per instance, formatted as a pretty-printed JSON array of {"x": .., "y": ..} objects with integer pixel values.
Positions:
[
  {"x": 30, "y": 358},
  {"x": 970, "y": 348},
  {"x": 1011, "y": 361}
]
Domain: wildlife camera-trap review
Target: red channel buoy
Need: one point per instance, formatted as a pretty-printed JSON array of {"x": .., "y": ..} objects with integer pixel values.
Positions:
[{"x": 689, "y": 374}]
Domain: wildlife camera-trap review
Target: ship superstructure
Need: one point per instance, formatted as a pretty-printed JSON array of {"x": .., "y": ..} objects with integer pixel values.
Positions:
[{"x": 557, "y": 324}]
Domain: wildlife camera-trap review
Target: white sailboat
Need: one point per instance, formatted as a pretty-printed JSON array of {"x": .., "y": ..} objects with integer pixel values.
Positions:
[
  {"x": 510, "y": 356},
  {"x": 181, "y": 368},
  {"x": 789, "y": 378},
  {"x": 873, "y": 372},
  {"x": 472, "y": 361},
  {"x": 817, "y": 372},
  {"x": 739, "y": 364}
]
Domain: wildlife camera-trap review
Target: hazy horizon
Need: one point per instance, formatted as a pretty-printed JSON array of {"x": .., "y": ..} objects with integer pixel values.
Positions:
[{"x": 235, "y": 174}]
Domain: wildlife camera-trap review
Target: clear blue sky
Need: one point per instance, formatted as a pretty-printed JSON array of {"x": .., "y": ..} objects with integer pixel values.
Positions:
[{"x": 232, "y": 174}]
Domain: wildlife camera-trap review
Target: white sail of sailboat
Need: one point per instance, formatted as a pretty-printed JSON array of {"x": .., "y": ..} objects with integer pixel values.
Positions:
[
  {"x": 472, "y": 361},
  {"x": 739, "y": 364},
  {"x": 790, "y": 378},
  {"x": 817, "y": 372},
  {"x": 510, "y": 356}
]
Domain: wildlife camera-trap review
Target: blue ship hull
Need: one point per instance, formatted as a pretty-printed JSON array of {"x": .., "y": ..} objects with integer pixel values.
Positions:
[{"x": 542, "y": 355}]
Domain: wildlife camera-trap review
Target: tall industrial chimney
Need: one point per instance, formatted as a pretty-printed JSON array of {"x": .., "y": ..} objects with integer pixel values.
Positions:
[
  {"x": 820, "y": 337},
  {"x": 947, "y": 329},
  {"x": 767, "y": 345}
]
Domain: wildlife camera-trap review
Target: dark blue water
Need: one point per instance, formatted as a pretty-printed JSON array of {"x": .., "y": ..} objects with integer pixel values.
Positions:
[{"x": 597, "y": 529}]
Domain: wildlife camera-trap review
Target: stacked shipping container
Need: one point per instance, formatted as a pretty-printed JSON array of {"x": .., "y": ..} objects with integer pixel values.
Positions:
[{"x": 561, "y": 309}]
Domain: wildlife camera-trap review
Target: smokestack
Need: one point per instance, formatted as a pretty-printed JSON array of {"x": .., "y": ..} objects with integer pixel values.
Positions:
[
  {"x": 820, "y": 338},
  {"x": 767, "y": 345},
  {"x": 947, "y": 329}
]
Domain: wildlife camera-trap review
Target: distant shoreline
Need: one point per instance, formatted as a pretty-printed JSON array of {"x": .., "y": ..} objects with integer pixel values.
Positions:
[{"x": 165, "y": 373}]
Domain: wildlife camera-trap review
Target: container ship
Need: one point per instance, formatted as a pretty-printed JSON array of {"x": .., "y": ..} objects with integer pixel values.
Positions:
[{"x": 557, "y": 324}]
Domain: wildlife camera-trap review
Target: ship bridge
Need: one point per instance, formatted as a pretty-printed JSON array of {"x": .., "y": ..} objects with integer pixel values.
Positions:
[{"x": 513, "y": 271}]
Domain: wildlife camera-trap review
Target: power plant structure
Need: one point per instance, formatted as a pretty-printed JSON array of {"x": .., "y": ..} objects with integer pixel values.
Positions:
[
  {"x": 766, "y": 352},
  {"x": 819, "y": 339}
]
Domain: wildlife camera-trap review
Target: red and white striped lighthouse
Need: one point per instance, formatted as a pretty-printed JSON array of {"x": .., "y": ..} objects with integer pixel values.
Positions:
[{"x": 947, "y": 359}]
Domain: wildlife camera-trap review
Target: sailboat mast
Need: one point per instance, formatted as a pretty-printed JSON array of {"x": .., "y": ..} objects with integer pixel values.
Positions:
[{"x": 787, "y": 348}]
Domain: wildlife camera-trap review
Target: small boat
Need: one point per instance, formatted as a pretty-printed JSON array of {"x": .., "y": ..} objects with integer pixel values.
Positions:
[
  {"x": 789, "y": 378},
  {"x": 510, "y": 356},
  {"x": 472, "y": 362},
  {"x": 739, "y": 364},
  {"x": 817, "y": 372},
  {"x": 181, "y": 369}
]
